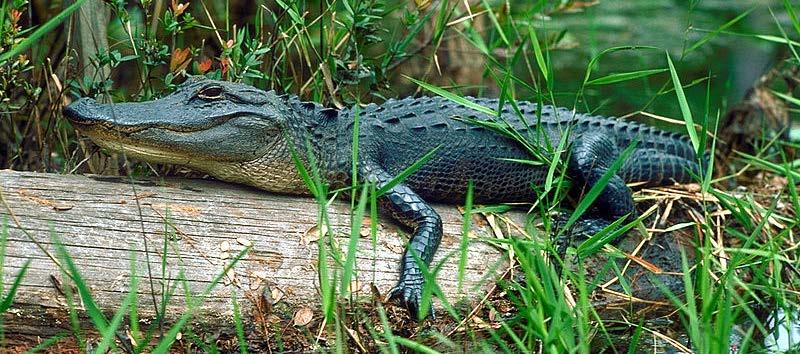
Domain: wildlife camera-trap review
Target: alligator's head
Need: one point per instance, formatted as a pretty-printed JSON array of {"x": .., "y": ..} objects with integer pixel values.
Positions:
[{"x": 232, "y": 131}]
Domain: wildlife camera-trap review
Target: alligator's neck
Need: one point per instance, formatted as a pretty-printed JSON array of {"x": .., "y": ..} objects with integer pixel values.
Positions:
[
  {"x": 307, "y": 125},
  {"x": 311, "y": 117}
]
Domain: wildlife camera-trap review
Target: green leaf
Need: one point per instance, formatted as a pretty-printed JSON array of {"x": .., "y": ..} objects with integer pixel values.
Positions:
[
  {"x": 684, "y": 105},
  {"x": 619, "y": 77},
  {"x": 41, "y": 31}
]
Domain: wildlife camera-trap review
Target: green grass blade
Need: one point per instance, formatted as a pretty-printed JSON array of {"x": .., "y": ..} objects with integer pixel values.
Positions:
[
  {"x": 598, "y": 187},
  {"x": 793, "y": 100},
  {"x": 496, "y": 24},
  {"x": 408, "y": 171},
  {"x": 709, "y": 36},
  {"x": 355, "y": 234},
  {"x": 792, "y": 15},
  {"x": 414, "y": 346},
  {"x": 9, "y": 298},
  {"x": 354, "y": 153},
  {"x": 453, "y": 97},
  {"x": 237, "y": 321},
  {"x": 464, "y": 246},
  {"x": 610, "y": 233},
  {"x": 770, "y": 166},
  {"x": 597, "y": 57},
  {"x": 684, "y": 105},
  {"x": 49, "y": 342},
  {"x": 619, "y": 77},
  {"x": 304, "y": 175},
  {"x": 537, "y": 52},
  {"x": 192, "y": 304},
  {"x": 110, "y": 333},
  {"x": 387, "y": 330},
  {"x": 41, "y": 31},
  {"x": 637, "y": 334},
  {"x": 98, "y": 319},
  {"x": 776, "y": 39}
]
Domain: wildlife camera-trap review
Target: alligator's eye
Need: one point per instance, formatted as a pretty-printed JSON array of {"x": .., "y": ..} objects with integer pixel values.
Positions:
[{"x": 210, "y": 93}]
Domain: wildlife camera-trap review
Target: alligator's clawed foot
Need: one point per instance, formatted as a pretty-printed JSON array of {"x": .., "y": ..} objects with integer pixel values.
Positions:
[
  {"x": 581, "y": 230},
  {"x": 410, "y": 298}
]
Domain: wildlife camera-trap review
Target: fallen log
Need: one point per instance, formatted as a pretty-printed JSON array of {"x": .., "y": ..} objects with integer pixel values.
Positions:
[{"x": 180, "y": 231}]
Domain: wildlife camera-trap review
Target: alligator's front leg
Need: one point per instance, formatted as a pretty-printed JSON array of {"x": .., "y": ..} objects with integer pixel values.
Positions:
[{"x": 409, "y": 208}]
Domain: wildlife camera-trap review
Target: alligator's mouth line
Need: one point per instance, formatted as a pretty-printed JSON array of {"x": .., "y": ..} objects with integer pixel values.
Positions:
[
  {"x": 113, "y": 125},
  {"x": 113, "y": 140}
]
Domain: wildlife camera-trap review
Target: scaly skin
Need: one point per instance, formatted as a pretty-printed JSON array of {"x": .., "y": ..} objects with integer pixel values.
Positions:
[{"x": 240, "y": 134}]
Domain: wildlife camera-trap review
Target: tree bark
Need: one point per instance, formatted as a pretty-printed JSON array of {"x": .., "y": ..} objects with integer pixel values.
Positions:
[
  {"x": 92, "y": 37},
  {"x": 197, "y": 227}
]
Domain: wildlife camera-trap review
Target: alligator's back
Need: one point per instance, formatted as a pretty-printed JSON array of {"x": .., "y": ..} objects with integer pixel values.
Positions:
[{"x": 397, "y": 133}]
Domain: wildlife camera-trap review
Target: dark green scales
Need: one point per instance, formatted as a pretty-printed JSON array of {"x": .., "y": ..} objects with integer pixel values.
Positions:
[{"x": 241, "y": 134}]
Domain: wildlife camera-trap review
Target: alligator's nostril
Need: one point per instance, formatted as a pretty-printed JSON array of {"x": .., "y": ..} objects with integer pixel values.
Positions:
[{"x": 82, "y": 111}]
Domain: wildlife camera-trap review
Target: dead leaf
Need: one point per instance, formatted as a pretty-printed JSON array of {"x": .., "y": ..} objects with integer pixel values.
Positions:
[
  {"x": 422, "y": 5},
  {"x": 178, "y": 8},
  {"x": 314, "y": 234},
  {"x": 303, "y": 316},
  {"x": 355, "y": 286},
  {"x": 204, "y": 66},
  {"x": 276, "y": 295},
  {"x": 179, "y": 60}
]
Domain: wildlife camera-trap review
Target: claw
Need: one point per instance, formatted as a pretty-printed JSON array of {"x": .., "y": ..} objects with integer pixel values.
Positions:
[{"x": 409, "y": 297}]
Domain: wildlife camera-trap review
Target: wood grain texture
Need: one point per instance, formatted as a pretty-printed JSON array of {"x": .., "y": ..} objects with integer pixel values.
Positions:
[{"x": 104, "y": 222}]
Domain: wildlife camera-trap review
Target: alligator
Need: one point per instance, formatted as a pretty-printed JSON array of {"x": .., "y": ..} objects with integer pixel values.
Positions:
[{"x": 238, "y": 133}]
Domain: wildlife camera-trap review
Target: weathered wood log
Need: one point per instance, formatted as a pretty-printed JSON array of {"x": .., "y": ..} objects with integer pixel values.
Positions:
[{"x": 104, "y": 223}]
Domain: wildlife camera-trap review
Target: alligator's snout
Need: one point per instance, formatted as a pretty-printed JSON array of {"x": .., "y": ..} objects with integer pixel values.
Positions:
[{"x": 84, "y": 111}]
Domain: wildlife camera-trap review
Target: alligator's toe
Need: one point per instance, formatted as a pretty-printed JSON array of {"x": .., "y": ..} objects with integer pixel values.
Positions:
[{"x": 409, "y": 297}]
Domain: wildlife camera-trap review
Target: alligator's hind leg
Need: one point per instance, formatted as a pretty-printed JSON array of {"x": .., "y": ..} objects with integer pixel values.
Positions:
[
  {"x": 656, "y": 168},
  {"x": 592, "y": 155},
  {"x": 411, "y": 210}
]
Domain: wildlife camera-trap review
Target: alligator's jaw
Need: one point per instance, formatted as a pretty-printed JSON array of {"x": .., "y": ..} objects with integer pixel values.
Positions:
[
  {"x": 116, "y": 141},
  {"x": 264, "y": 166}
]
